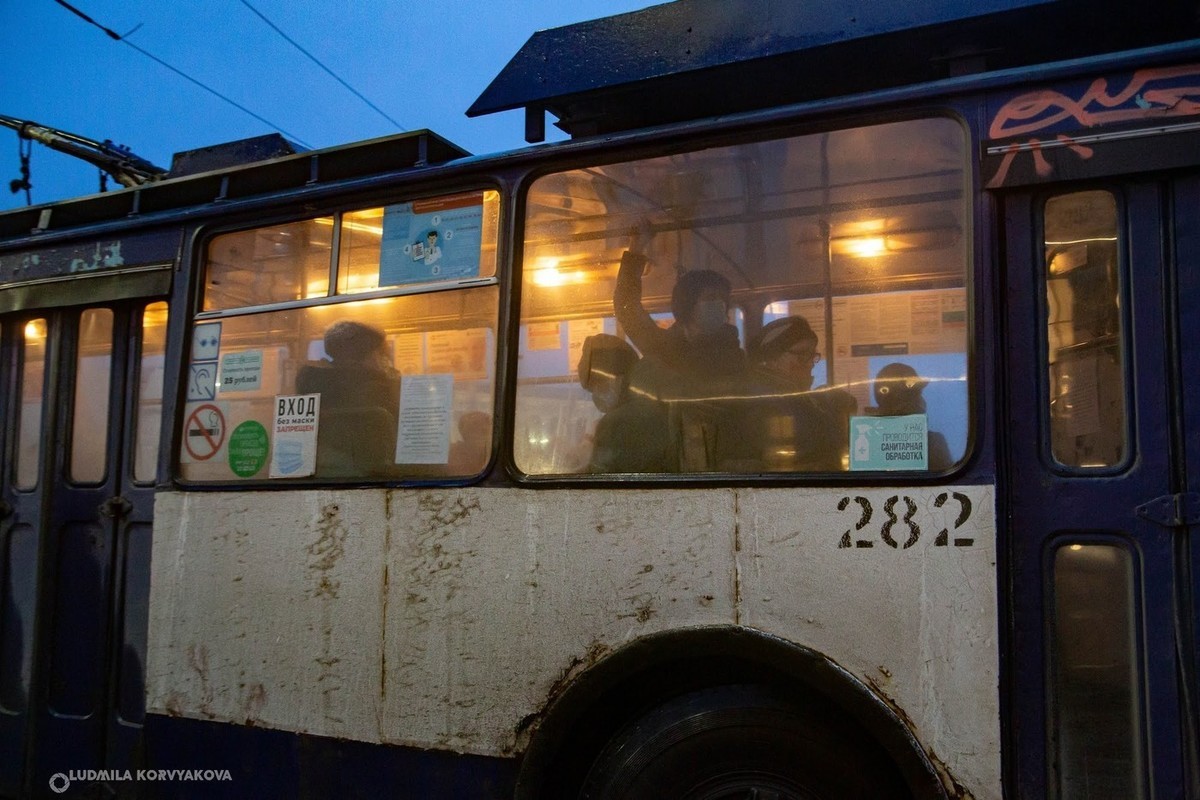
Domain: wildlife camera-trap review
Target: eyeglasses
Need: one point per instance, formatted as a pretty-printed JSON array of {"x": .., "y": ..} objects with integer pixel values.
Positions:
[{"x": 805, "y": 356}]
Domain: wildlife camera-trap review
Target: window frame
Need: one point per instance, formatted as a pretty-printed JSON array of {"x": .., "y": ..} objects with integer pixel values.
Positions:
[
  {"x": 398, "y": 194},
  {"x": 974, "y": 274},
  {"x": 1124, "y": 285}
]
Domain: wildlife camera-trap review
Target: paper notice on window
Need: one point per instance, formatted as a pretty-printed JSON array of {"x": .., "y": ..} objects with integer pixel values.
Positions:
[
  {"x": 294, "y": 439},
  {"x": 545, "y": 336},
  {"x": 424, "y": 431}
]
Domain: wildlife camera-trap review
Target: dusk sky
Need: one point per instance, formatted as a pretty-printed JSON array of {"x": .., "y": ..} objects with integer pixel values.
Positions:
[{"x": 421, "y": 64}]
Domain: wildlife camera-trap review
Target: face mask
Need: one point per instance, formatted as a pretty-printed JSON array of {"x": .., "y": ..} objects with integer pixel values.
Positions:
[
  {"x": 607, "y": 396},
  {"x": 709, "y": 315}
]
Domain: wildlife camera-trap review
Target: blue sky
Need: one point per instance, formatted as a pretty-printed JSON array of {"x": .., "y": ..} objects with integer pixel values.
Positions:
[{"x": 421, "y": 63}]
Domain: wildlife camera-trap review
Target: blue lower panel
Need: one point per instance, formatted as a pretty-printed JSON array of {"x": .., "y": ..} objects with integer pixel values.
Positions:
[{"x": 269, "y": 763}]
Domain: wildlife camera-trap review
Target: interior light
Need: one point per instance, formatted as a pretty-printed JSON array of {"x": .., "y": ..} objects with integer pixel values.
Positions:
[
  {"x": 548, "y": 271},
  {"x": 35, "y": 329},
  {"x": 347, "y": 224},
  {"x": 863, "y": 247}
]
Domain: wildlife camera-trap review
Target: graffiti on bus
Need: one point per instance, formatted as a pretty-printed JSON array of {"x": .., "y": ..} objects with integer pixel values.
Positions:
[{"x": 1148, "y": 94}]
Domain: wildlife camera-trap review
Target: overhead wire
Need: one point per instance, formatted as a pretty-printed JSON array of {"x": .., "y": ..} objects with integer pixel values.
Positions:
[
  {"x": 318, "y": 62},
  {"x": 118, "y": 37}
]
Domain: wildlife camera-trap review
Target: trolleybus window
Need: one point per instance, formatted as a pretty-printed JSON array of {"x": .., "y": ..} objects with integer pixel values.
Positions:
[
  {"x": 150, "y": 391},
  {"x": 93, "y": 368},
  {"x": 289, "y": 378},
  {"x": 33, "y": 382},
  {"x": 1096, "y": 736},
  {"x": 796, "y": 305},
  {"x": 1083, "y": 326}
]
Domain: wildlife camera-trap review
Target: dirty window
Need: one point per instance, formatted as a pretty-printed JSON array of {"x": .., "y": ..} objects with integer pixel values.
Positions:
[
  {"x": 388, "y": 374},
  {"x": 793, "y": 305}
]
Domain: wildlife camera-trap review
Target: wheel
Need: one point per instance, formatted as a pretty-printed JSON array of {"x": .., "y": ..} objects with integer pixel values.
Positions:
[{"x": 742, "y": 743}]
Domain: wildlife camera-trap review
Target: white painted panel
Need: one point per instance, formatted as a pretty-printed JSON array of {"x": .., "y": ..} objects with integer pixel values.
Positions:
[
  {"x": 917, "y": 623},
  {"x": 495, "y": 594},
  {"x": 267, "y": 608},
  {"x": 442, "y": 618}
]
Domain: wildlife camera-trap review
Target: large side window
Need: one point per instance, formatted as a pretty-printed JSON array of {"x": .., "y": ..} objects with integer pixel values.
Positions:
[
  {"x": 356, "y": 346},
  {"x": 794, "y": 305}
]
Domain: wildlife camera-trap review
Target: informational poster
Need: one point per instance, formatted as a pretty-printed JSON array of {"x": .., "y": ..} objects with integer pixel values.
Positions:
[
  {"x": 294, "y": 436},
  {"x": 424, "y": 430},
  {"x": 408, "y": 353},
  {"x": 241, "y": 372},
  {"x": 248, "y": 449},
  {"x": 463, "y": 353},
  {"x": 892, "y": 326},
  {"x": 889, "y": 443},
  {"x": 545, "y": 335},
  {"x": 431, "y": 240}
]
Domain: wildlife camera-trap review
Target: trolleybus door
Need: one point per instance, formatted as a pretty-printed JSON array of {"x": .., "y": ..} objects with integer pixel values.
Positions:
[
  {"x": 91, "y": 514},
  {"x": 1102, "y": 287},
  {"x": 26, "y": 345}
]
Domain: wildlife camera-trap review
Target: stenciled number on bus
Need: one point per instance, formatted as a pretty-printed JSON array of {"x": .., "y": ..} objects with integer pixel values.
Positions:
[{"x": 895, "y": 525}]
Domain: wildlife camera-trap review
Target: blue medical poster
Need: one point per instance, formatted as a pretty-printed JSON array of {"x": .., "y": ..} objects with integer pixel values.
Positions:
[
  {"x": 431, "y": 240},
  {"x": 889, "y": 443}
]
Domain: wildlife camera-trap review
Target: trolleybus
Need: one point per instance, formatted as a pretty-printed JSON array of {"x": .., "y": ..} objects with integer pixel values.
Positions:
[{"x": 390, "y": 470}]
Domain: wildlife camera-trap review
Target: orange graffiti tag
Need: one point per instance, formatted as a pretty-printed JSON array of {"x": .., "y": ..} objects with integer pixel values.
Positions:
[{"x": 1139, "y": 99}]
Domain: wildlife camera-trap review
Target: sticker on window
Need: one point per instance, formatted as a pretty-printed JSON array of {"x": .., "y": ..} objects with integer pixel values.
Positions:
[{"x": 431, "y": 240}]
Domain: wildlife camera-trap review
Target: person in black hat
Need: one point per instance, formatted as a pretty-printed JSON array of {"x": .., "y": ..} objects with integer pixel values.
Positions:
[
  {"x": 802, "y": 430},
  {"x": 899, "y": 392}
]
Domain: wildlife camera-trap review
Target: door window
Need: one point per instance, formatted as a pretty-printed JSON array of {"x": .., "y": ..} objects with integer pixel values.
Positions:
[
  {"x": 93, "y": 370},
  {"x": 1083, "y": 331},
  {"x": 33, "y": 384},
  {"x": 150, "y": 391}
]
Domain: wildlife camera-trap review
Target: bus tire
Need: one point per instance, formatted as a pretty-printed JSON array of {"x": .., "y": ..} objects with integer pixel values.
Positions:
[{"x": 738, "y": 742}]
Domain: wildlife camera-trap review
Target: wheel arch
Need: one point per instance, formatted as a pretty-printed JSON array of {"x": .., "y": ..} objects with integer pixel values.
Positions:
[{"x": 599, "y": 694}]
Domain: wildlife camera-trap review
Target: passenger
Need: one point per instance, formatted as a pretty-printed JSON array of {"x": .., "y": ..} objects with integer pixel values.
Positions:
[
  {"x": 632, "y": 435},
  {"x": 695, "y": 366},
  {"x": 701, "y": 341},
  {"x": 804, "y": 430},
  {"x": 360, "y": 400},
  {"x": 898, "y": 391}
]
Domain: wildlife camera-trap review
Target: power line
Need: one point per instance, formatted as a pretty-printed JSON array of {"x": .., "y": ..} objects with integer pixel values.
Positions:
[
  {"x": 317, "y": 61},
  {"x": 117, "y": 37}
]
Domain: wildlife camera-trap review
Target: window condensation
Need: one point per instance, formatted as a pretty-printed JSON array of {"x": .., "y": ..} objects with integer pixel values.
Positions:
[
  {"x": 399, "y": 385},
  {"x": 1096, "y": 730},
  {"x": 93, "y": 374},
  {"x": 846, "y": 259},
  {"x": 1085, "y": 354}
]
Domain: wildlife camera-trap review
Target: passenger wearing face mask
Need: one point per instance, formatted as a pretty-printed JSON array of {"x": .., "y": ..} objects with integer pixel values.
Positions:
[
  {"x": 701, "y": 342},
  {"x": 632, "y": 434},
  {"x": 695, "y": 368}
]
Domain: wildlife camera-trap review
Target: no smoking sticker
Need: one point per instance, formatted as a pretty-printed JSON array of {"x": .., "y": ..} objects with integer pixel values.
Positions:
[{"x": 203, "y": 433}]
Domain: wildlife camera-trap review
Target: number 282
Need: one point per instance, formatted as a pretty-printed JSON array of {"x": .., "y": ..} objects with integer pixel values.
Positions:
[{"x": 899, "y": 529}]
